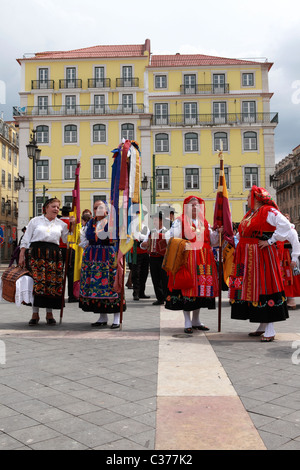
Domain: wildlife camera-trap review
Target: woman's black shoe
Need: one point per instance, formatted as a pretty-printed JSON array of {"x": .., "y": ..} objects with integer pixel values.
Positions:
[
  {"x": 99, "y": 324},
  {"x": 114, "y": 326}
]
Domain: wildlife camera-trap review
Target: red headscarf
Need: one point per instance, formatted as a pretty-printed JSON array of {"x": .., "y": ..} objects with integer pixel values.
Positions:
[
  {"x": 186, "y": 221},
  {"x": 262, "y": 196}
]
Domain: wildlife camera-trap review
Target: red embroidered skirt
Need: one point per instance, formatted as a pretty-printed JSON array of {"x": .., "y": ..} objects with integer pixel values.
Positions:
[{"x": 256, "y": 288}]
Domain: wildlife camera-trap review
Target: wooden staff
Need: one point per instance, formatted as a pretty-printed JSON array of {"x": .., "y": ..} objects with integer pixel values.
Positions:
[{"x": 221, "y": 178}]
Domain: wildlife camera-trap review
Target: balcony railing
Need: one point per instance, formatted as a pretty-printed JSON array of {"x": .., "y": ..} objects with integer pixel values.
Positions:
[
  {"x": 214, "y": 120},
  {"x": 42, "y": 84},
  {"x": 99, "y": 83},
  {"x": 203, "y": 89},
  {"x": 78, "y": 110},
  {"x": 70, "y": 83},
  {"x": 127, "y": 82}
]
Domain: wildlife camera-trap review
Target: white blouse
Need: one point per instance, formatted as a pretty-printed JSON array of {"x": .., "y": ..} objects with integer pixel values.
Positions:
[
  {"x": 41, "y": 229},
  {"x": 176, "y": 231}
]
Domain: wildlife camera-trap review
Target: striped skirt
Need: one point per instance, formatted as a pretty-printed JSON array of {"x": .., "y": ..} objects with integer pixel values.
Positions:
[
  {"x": 202, "y": 265},
  {"x": 44, "y": 260},
  {"x": 256, "y": 288}
]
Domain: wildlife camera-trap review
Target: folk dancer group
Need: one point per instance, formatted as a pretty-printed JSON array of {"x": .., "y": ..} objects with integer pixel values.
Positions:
[{"x": 261, "y": 281}]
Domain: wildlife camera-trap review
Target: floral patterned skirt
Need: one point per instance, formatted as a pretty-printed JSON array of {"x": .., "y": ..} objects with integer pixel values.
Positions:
[
  {"x": 44, "y": 260},
  {"x": 98, "y": 271}
]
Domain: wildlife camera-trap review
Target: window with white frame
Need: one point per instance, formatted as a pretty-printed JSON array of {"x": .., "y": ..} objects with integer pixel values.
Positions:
[
  {"x": 127, "y": 75},
  {"x": 189, "y": 81},
  {"x": 42, "y": 170},
  {"x": 160, "y": 81},
  {"x": 127, "y": 103},
  {"x": 250, "y": 141},
  {"x": 71, "y": 104},
  {"x": 249, "y": 111},
  {"x": 161, "y": 113},
  {"x": 218, "y": 138},
  {"x": 42, "y": 134},
  {"x": 192, "y": 178},
  {"x": 42, "y": 104},
  {"x": 99, "y": 168},
  {"x": 99, "y": 104},
  {"x": 70, "y": 167},
  {"x": 68, "y": 201},
  {"x": 219, "y": 112},
  {"x": 99, "y": 133},
  {"x": 163, "y": 179},
  {"x": 219, "y": 82},
  {"x": 43, "y": 77},
  {"x": 250, "y": 177},
  {"x": 71, "y": 77},
  {"x": 3, "y": 152},
  {"x": 161, "y": 143},
  {"x": 39, "y": 201},
  {"x": 70, "y": 134},
  {"x": 127, "y": 131},
  {"x": 99, "y": 76},
  {"x": 3, "y": 178},
  {"x": 248, "y": 79},
  {"x": 190, "y": 113},
  {"x": 191, "y": 142},
  {"x": 217, "y": 177}
]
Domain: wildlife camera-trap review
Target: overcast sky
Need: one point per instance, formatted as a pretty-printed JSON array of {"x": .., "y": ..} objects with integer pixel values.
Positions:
[{"x": 231, "y": 28}]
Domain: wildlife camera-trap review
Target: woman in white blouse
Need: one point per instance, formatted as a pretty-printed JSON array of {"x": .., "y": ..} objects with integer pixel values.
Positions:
[{"x": 41, "y": 253}]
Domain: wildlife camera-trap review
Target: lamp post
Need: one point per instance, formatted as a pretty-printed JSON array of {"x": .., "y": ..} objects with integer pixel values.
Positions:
[{"x": 34, "y": 153}]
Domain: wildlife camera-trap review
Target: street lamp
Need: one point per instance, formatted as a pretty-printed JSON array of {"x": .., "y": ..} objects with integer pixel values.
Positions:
[{"x": 34, "y": 153}]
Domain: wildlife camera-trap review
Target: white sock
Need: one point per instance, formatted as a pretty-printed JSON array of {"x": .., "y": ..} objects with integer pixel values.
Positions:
[
  {"x": 269, "y": 331},
  {"x": 117, "y": 318},
  {"x": 35, "y": 309},
  {"x": 187, "y": 319},
  {"x": 102, "y": 318},
  {"x": 196, "y": 320}
]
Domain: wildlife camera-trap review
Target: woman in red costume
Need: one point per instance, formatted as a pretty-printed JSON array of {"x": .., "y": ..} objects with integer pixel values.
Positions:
[
  {"x": 256, "y": 288},
  {"x": 193, "y": 227},
  {"x": 289, "y": 252}
]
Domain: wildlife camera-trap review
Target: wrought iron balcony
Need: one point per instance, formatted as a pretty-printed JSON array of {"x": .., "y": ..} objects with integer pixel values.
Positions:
[
  {"x": 78, "y": 110},
  {"x": 127, "y": 82},
  {"x": 214, "y": 120},
  {"x": 42, "y": 84},
  {"x": 70, "y": 83},
  {"x": 204, "y": 89},
  {"x": 99, "y": 83}
]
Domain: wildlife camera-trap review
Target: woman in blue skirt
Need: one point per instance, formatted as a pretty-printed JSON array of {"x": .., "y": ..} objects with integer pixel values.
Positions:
[{"x": 98, "y": 270}]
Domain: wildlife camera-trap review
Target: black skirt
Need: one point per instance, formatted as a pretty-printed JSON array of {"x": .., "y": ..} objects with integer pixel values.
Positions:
[
  {"x": 44, "y": 260},
  {"x": 270, "y": 309}
]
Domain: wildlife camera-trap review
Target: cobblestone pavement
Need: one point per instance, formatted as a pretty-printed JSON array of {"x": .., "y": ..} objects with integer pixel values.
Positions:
[{"x": 148, "y": 385}]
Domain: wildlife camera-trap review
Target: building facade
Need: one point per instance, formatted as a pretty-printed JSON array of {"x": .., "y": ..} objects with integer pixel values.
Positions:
[
  {"x": 9, "y": 165},
  {"x": 287, "y": 184},
  {"x": 179, "y": 108}
]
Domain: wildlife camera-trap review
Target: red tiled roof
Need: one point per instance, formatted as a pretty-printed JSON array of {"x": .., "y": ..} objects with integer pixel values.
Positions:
[
  {"x": 109, "y": 51},
  {"x": 196, "y": 60}
]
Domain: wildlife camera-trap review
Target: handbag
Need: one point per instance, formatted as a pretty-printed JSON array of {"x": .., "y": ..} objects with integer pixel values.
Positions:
[
  {"x": 183, "y": 279},
  {"x": 9, "y": 279}
]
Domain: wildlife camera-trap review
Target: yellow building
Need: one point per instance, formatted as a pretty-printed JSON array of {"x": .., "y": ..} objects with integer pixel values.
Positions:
[
  {"x": 177, "y": 107},
  {"x": 9, "y": 165}
]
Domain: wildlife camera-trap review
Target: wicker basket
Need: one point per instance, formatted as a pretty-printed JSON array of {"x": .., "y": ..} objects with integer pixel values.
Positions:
[{"x": 9, "y": 279}]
